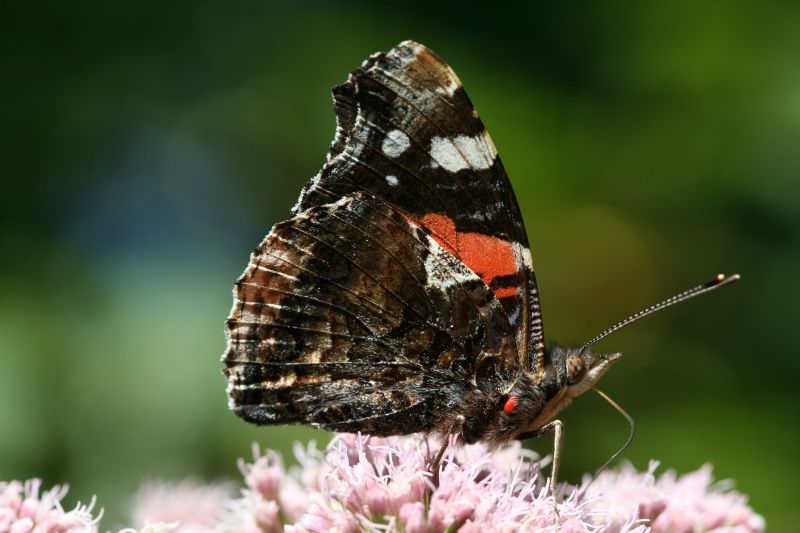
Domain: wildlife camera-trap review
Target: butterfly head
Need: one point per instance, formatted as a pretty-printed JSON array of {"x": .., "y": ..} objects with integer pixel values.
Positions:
[
  {"x": 582, "y": 368},
  {"x": 569, "y": 373}
]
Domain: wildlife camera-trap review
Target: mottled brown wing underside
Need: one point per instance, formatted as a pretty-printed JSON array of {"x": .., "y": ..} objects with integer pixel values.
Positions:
[
  {"x": 408, "y": 133},
  {"x": 350, "y": 316}
]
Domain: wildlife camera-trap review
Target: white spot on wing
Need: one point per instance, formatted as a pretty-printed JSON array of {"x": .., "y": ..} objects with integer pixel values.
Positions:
[
  {"x": 392, "y": 180},
  {"x": 445, "y": 154},
  {"x": 395, "y": 143},
  {"x": 524, "y": 253},
  {"x": 442, "y": 269},
  {"x": 437, "y": 276},
  {"x": 462, "y": 151}
]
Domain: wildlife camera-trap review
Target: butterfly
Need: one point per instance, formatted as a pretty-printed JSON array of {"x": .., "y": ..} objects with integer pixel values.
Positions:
[{"x": 401, "y": 297}]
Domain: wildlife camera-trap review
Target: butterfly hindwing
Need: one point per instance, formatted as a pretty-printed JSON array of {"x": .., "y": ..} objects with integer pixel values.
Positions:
[
  {"x": 408, "y": 133},
  {"x": 350, "y": 316}
]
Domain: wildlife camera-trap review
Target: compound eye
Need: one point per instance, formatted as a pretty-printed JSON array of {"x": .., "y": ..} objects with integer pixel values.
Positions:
[{"x": 576, "y": 369}]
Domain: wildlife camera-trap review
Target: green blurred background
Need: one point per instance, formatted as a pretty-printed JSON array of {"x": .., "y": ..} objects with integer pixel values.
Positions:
[{"x": 148, "y": 147}]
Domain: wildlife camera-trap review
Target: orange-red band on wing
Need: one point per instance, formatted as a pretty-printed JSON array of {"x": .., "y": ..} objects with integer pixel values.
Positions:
[{"x": 489, "y": 257}]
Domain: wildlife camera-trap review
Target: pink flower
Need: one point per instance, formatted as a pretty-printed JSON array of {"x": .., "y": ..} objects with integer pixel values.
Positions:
[
  {"x": 272, "y": 495},
  {"x": 670, "y": 503},
  {"x": 186, "y": 507},
  {"x": 375, "y": 484},
  {"x": 384, "y": 484},
  {"x": 23, "y": 509}
]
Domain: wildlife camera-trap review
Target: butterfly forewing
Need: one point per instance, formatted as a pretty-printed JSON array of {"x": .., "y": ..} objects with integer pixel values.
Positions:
[
  {"x": 351, "y": 317},
  {"x": 408, "y": 134}
]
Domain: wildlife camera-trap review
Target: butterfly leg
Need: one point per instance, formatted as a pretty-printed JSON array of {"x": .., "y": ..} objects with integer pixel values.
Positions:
[
  {"x": 434, "y": 468},
  {"x": 556, "y": 427}
]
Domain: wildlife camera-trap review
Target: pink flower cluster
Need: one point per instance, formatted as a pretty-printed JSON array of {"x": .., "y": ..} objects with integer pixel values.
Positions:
[
  {"x": 24, "y": 509},
  {"x": 371, "y": 484}
]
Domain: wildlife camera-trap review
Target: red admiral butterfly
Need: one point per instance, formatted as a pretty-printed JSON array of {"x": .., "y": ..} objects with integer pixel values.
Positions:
[{"x": 401, "y": 296}]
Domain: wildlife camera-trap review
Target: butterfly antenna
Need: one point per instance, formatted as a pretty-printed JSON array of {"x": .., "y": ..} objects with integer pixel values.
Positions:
[
  {"x": 716, "y": 282},
  {"x": 631, "y": 422}
]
